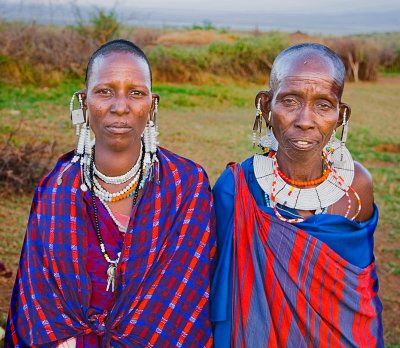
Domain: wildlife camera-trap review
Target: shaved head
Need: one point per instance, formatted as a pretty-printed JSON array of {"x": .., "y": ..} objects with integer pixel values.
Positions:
[{"x": 306, "y": 53}]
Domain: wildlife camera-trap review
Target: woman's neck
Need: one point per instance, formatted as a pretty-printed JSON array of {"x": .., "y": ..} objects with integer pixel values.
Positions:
[
  {"x": 115, "y": 163},
  {"x": 303, "y": 169}
]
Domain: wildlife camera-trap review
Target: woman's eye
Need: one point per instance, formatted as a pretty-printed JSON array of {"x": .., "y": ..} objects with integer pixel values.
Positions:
[
  {"x": 136, "y": 92},
  {"x": 324, "y": 106},
  {"x": 104, "y": 91},
  {"x": 288, "y": 101}
]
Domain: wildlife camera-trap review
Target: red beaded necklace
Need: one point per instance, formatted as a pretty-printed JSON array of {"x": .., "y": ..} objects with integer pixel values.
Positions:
[{"x": 300, "y": 183}]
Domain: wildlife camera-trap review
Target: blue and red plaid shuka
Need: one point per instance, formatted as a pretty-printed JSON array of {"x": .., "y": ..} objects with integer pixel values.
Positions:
[
  {"x": 163, "y": 276},
  {"x": 292, "y": 290}
]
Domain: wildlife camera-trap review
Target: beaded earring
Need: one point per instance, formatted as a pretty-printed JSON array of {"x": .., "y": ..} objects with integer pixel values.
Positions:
[
  {"x": 330, "y": 147},
  {"x": 343, "y": 138},
  {"x": 87, "y": 151},
  {"x": 78, "y": 120},
  {"x": 83, "y": 149},
  {"x": 268, "y": 142},
  {"x": 150, "y": 139},
  {"x": 257, "y": 126},
  {"x": 77, "y": 117}
]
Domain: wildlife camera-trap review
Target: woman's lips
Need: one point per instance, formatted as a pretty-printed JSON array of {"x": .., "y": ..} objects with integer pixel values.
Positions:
[
  {"x": 302, "y": 144},
  {"x": 118, "y": 128}
]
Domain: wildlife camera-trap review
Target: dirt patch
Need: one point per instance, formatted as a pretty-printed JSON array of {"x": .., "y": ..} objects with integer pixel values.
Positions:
[{"x": 392, "y": 148}]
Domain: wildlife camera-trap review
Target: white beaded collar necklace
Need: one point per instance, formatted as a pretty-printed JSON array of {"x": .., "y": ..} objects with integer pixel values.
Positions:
[{"x": 315, "y": 198}]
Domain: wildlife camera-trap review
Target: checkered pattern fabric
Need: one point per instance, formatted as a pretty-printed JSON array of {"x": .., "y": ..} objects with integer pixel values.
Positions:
[{"x": 163, "y": 277}]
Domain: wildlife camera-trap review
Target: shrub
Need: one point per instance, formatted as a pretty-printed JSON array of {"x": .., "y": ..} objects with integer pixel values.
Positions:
[
  {"x": 35, "y": 54},
  {"x": 102, "y": 26},
  {"x": 361, "y": 57},
  {"x": 21, "y": 167}
]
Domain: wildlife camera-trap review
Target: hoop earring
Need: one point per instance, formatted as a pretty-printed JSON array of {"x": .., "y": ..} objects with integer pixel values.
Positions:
[
  {"x": 150, "y": 141},
  {"x": 257, "y": 126},
  {"x": 268, "y": 142}
]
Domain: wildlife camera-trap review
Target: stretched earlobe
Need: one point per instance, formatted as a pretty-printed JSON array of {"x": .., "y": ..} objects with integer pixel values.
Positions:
[
  {"x": 83, "y": 95},
  {"x": 155, "y": 97},
  {"x": 263, "y": 99},
  {"x": 344, "y": 111}
]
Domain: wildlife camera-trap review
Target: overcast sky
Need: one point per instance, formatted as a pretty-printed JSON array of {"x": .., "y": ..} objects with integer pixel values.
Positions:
[{"x": 307, "y": 6}]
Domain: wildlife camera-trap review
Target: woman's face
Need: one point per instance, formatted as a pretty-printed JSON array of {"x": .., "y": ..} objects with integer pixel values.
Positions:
[
  {"x": 118, "y": 100},
  {"x": 305, "y": 107}
]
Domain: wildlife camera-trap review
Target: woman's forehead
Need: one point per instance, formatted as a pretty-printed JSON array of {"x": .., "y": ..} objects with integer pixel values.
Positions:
[
  {"x": 308, "y": 66},
  {"x": 114, "y": 62}
]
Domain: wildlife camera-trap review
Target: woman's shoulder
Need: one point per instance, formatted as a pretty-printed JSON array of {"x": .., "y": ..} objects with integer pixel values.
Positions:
[
  {"x": 226, "y": 182},
  {"x": 363, "y": 185},
  {"x": 184, "y": 166},
  {"x": 58, "y": 167}
]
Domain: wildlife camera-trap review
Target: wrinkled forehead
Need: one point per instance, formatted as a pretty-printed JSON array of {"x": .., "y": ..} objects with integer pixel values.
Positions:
[{"x": 306, "y": 65}]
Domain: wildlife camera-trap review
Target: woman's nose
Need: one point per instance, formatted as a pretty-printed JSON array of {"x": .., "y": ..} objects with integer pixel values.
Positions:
[
  {"x": 120, "y": 106},
  {"x": 305, "y": 118}
]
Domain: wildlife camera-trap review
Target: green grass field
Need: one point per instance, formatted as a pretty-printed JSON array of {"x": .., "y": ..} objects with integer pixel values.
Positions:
[{"x": 212, "y": 125}]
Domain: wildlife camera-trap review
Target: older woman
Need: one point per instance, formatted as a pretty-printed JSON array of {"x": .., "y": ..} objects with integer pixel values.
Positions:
[
  {"x": 295, "y": 225},
  {"x": 120, "y": 241}
]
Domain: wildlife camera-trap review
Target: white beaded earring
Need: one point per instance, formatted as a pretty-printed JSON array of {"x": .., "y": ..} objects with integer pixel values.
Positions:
[
  {"x": 343, "y": 138},
  {"x": 268, "y": 142},
  {"x": 78, "y": 120},
  {"x": 83, "y": 148},
  {"x": 150, "y": 140},
  {"x": 257, "y": 126},
  {"x": 77, "y": 117}
]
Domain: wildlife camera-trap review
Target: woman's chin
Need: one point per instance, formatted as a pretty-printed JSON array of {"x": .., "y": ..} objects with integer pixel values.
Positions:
[{"x": 119, "y": 144}]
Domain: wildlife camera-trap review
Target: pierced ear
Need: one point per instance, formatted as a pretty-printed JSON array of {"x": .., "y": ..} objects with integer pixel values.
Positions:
[
  {"x": 266, "y": 98},
  {"x": 154, "y": 97},
  {"x": 343, "y": 108},
  {"x": 83, "y": 94}
]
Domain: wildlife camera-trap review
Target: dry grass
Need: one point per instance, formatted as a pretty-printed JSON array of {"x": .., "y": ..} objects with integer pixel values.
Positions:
[
  {"x": 45, "y": 56},
  {"x": 195, "y": 38}
]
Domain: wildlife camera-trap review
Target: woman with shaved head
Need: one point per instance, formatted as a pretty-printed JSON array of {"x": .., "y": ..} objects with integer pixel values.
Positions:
[
  {"x": 120, "y": 241},
  {"x": 295, "y": 225}
]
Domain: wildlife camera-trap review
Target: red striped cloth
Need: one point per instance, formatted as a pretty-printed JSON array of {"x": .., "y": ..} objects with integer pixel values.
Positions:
[{"x": 292, "y": 290}]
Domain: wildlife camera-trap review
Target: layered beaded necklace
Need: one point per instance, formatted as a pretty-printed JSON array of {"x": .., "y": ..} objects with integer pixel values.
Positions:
[
  {"x": 329, "y": 188},
  {"x": 140, "y": 174}
]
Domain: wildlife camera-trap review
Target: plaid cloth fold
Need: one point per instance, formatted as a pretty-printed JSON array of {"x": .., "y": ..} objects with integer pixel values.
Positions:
[
  {"x": 163, "y": 276},
  {"x": 292, "y": 290}
]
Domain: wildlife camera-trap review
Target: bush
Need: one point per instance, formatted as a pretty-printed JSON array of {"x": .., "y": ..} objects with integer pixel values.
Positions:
[
  {"x": 101, "y": 27},
  {"x": 45, "y": 55},
  {"x": 361, "y": 57},
  {"x": 21, "y": 167},
  {"x": 248, "y": 58},
  {"x": 35, "y": 54}
]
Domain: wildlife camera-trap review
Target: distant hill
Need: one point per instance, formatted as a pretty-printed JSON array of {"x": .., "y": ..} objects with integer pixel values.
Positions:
[{"x": 363, "y": 21}]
